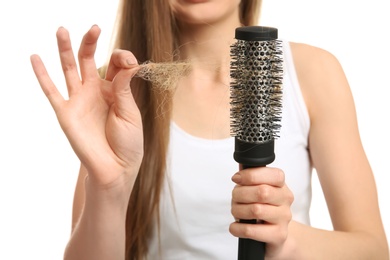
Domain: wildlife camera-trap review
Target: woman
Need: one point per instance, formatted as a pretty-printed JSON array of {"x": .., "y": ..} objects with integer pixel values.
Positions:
[{"x": 154, "y": 164}]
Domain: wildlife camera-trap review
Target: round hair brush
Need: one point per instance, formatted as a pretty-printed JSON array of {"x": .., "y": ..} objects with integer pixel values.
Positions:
[{"x": 256, "y": 104}]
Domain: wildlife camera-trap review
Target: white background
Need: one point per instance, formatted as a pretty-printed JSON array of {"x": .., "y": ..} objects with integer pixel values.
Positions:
[{"x": 38, "y": 169}]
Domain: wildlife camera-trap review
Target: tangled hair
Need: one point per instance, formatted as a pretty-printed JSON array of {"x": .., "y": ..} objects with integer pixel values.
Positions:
[
  {"x": 164, "y": 75},
  {"x": 148, "y": 29}
]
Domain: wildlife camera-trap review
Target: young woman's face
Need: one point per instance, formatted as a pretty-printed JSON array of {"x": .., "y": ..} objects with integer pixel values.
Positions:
[{"x": 205, "y": 11}]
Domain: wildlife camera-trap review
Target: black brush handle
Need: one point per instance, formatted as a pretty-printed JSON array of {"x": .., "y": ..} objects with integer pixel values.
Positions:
[
  {"x": 249, "y": 249},
  {"x": 250, "y": 156}
]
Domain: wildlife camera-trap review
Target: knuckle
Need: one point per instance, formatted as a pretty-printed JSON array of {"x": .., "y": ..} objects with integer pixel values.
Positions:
[
  {"x": 233, "y": 210},
  {"x": 82, "y": 55},
  {"x": 290, "y": 197},
  {"x": 256, "y": 211},
  {"x": 288, "y": 215},
  {"x": 241, "y": 230},
  {"x": 249, "y": 177},
  {"x": 248, "y": 231},
  {"x": 69, "y": 67},
  {"x": 263, "y": 193},
  {"x": 234, "y": 194}
]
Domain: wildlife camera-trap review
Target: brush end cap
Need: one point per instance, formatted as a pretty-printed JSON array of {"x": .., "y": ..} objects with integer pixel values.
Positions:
[
  {"x": 254, "y": 155},
  {"x": 256, "y": 33}
]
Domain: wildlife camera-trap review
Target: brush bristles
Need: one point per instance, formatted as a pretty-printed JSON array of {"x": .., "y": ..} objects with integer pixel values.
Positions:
[{"x": 256, "y": 90}]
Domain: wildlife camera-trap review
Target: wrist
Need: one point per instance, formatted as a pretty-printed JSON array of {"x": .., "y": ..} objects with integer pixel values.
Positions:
[
  {"x": 110, "y": 196},
  {"x": 290, "y": 249},
  {"x": 100, "y": 231}
]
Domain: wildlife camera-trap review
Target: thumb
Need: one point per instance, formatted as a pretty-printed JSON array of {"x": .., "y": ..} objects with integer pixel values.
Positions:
[
  {"x": 124, "y": 103},
  {"x": 120, "y": 59}
]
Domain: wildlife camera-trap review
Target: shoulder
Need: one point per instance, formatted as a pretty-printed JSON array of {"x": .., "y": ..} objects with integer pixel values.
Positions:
[
  {"x": 313, "y": 64},
  {"x": 320, "y": 75}
]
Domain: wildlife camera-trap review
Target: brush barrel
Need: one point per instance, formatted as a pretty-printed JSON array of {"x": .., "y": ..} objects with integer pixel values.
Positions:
[{"x": 255, "y": 108}]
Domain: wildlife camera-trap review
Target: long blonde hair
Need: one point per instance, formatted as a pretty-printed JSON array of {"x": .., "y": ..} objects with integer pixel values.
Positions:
[{"x": 148, "y": 29}]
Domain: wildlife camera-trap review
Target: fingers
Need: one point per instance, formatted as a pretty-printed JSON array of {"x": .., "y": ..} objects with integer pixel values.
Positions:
[
  {"x": 260, "y": 175},
  {"x": 270, "y": 214},
  {"x": 68, "y": 61},
  {"x": 47, "y": 85},
  {"x": 263, "y": 193},
  {"x": 270, "y": 234},
  {"x": 257, "y": 187},
  {"x": 125, "y": 106},
  {"x": 261, "y": 185},
  {"x": 86, "y": 54},
  {"x": 120, "y": 59},
  {"x": 268, "y": 203}
]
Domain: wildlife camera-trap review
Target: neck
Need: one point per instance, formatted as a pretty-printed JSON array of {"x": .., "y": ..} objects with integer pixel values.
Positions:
[
  {"x": 201, "y": 101},
  {"x": 207, "y": 46}
]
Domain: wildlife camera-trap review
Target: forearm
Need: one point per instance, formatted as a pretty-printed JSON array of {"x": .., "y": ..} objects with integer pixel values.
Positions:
[
  {"x": 306, "y": 242},
  {"x": 100, "y": 232}
]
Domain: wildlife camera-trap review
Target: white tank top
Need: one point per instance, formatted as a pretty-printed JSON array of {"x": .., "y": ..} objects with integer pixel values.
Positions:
[{"x": 195, "y": 205}]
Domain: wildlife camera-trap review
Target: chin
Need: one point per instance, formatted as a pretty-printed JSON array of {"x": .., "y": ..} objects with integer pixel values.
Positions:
[{"x": 204, "y": 11}]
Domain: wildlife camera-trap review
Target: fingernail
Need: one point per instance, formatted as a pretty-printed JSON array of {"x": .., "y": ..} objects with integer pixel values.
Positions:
[
  {"x": 131, "y": 61},
  {"x": 237, "y": 178}
]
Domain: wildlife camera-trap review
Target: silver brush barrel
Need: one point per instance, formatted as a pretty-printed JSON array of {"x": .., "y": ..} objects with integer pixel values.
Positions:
[{"x": 256, "y": 94}]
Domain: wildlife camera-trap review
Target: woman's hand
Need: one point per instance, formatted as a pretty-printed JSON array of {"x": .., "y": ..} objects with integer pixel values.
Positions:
[
  {"x": 261, "y": 193},
  {"x": 100, "y": 118}
]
